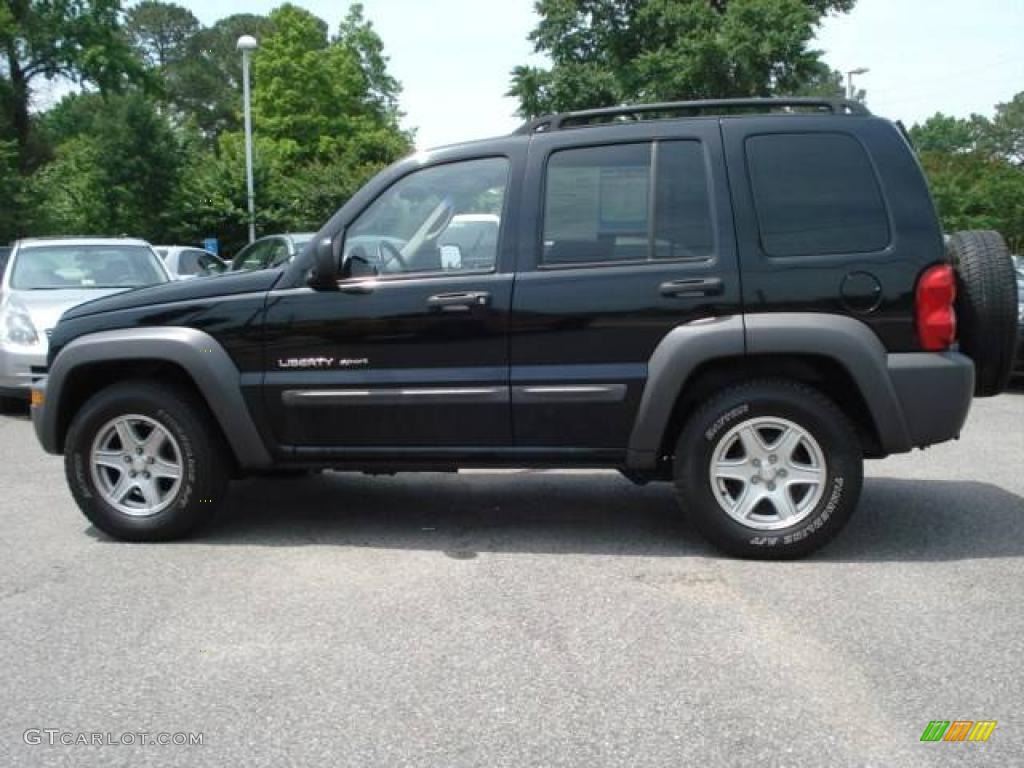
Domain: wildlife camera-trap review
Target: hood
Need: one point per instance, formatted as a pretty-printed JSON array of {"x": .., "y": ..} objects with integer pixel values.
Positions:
[
  {"x": 46, "y": 307},
  {"x": 228, "y": 284}
]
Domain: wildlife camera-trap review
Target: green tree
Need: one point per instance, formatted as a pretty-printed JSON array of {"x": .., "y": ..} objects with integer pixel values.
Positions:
[
  {"x": 945, "y": 134},
  {"x": 974, "y": 191},
  {"x": 116, "y": 167},
  {"x": 974, "y": 167},
  {"x": 206, "y": 86},
  {"x": 325, "y": 120},
  {"x": 1003, "y": 136},
  {"x": 607, "y": 52},
  {"x": 10, "y": 191},
  {"x": 81, "y": 40},
  {"x": 161, "y": 32}
]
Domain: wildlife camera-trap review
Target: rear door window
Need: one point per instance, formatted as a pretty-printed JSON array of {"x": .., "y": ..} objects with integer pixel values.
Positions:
[
  {"x": 598, "y": 204},
  {"x": 816, "y": 194}
]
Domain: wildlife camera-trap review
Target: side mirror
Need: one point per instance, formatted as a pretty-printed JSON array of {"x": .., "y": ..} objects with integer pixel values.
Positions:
[
  {"x": 325, "y": 263},
  {"x": 355, "y": 264}
]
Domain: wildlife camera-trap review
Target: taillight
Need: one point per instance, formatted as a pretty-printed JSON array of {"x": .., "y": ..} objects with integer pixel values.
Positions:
[{"x": 936, "y": 317}]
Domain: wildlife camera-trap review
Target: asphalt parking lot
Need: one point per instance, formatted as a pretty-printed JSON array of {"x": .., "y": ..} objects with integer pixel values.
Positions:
[{"x": 518, "y": 619}]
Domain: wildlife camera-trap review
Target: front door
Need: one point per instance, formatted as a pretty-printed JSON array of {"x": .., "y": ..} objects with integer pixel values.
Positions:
[{"x": 411, "y": 350}]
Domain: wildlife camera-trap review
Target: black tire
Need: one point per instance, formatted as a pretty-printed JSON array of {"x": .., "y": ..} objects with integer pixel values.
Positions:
[
  {"x": 808, "y": 409},
  {"x": 205, "y": 470},
  {"x": 986, "y": 307}
]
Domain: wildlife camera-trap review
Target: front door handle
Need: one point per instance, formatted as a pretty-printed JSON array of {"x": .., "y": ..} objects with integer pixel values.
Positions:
[
  {"x": 695, "y": 286},
  {"x": 459, "y": 302}
]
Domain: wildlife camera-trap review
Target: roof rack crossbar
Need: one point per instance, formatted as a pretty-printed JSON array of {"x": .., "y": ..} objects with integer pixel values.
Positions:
[{"x": 708, "y": 106}]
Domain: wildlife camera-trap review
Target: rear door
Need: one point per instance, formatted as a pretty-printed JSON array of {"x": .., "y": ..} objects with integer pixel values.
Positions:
[{"x": 628, "y": 236}]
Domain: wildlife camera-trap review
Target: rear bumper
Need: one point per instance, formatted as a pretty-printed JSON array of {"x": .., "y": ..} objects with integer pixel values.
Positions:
[
  {"x": 934, "y": 391},
  {"x": 1018, "y": 363}
]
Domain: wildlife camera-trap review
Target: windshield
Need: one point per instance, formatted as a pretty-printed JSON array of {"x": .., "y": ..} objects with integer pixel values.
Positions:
[{"x": 54, "y": 267}]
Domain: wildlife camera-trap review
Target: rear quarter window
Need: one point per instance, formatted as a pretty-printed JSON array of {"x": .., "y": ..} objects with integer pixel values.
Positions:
[{"x": 816, "y": 194}]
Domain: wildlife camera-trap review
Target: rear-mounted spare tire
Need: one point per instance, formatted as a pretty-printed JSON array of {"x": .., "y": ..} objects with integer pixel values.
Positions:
[{"x": 986, "y": 306}]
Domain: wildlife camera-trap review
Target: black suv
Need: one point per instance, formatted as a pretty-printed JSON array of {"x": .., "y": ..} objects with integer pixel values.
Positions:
[{"x": 743, "y": 298}]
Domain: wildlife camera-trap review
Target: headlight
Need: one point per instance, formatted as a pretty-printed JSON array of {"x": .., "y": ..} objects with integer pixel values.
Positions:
[{"x": 16, "y": 325}]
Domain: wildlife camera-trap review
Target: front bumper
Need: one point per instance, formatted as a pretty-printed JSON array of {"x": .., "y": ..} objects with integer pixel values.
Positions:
[
  {"x": 16, "y": 369},
  {"x": 38, "y": 404},
  {"x": 935, "y": 392},
  {"x": 1018, "y": 363}
]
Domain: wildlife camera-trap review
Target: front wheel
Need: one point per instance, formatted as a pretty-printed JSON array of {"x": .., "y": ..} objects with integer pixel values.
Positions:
[
  {"x": 143, "y": 463},
  {"x": 770, "y": 469}
]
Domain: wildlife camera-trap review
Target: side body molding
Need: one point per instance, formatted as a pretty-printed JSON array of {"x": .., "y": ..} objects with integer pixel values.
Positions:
[
  {"x": 675, "y": 358},
  {"x": 844, "y": 339},
  {"x": 198, "y": 353}
]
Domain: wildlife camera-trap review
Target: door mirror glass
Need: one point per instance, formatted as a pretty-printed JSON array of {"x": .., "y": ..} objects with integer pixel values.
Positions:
[{"x": 357, "y": 265}]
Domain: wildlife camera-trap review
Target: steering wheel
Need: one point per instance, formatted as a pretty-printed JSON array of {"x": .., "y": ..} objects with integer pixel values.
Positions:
[{"x": 393, "y": 254}]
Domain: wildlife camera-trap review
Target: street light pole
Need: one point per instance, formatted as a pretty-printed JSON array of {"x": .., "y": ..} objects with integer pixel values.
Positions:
[
  {"x": 247, "y": 44},
  {"x": 851, "y": 94}
]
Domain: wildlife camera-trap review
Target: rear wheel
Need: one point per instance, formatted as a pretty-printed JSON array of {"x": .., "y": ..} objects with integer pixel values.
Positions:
[
  {"x": 142, "y": 462},
  {"x": 986, "y": 306},
  {"x": 769, "y": 469}
]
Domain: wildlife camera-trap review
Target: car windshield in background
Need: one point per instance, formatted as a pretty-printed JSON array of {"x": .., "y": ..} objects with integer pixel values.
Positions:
[{"x": 55, "y": 267}]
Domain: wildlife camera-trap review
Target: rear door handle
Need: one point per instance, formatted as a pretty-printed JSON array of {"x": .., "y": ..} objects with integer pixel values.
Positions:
[
  {"x": 459, "y": 302},
  {"x": 695, "y": 286}
]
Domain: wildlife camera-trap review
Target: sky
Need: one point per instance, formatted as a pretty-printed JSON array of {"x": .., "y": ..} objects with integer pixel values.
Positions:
[{"x": 453, "y": 57}]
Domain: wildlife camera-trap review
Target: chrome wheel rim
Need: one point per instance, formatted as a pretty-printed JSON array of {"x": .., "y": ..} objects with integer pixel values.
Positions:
[
  {"x": 768, "y": 473},
  {"x": 136, "y": 465}
]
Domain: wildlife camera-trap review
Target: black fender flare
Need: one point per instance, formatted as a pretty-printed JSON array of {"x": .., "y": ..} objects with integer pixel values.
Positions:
[
  {"x": 196, "y": 352},
  {"x": 846, "y": 340}
]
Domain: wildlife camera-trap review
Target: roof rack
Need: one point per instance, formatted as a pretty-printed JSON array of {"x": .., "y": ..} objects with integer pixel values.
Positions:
[{"x": 676, "y": 109}]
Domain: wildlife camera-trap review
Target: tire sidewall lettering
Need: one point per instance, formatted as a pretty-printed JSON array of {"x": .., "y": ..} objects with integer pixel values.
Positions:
[
  {"x": 188, "y": 458},
  {"x": 723, "y": 421},
  {"x": 813, "y": 525}
]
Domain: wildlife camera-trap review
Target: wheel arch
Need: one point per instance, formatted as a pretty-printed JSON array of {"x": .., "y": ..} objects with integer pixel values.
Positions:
[
  {"x": 837, "y": 354},
  {"x": 187, "y": 356}
]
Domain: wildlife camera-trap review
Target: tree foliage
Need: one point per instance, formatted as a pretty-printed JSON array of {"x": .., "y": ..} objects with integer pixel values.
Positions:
[
  {"x": 607, "y": 52},
  {"x": 153, "y": 146},
  {"x": 161, "y": 32},
  {"x": 975, "y": 167},
  {"x": 80, "y": 40}
]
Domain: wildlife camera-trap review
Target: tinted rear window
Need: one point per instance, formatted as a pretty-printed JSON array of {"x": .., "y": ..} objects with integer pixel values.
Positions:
[{"x": 816, "y": 194}]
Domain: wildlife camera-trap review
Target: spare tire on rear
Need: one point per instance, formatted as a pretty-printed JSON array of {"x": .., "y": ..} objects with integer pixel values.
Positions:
[{"x": 986, "y": 306}]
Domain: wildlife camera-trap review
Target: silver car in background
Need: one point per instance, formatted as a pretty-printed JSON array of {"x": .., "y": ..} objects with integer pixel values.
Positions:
[
  {"x": 187, "y": 261},
  {"x": 44, "y": 278},
  {"x": 270, "y": 251}
]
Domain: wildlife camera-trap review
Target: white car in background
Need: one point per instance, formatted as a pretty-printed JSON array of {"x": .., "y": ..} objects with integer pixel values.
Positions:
[
  {"x": 44, "y": 278},
  {"x": 187, "y": 261}
]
